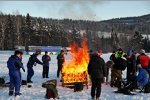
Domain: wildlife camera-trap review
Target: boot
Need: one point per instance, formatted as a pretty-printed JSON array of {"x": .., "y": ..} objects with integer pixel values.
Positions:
[
  {"x": 97, "y": 98},
  {"x": 18, "y": 94},
  {"x": 11, "y": 93},
  {"x": 29, "y": 81}
]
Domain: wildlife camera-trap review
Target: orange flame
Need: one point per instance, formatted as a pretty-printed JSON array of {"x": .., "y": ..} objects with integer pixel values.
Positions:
[{"x": 75, "y": 70}]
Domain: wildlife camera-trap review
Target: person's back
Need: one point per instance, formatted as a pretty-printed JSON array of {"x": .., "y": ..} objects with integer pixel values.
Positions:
[
  {"x": 46, "y": 59},
  {"x": 95, "y": 67},
  {"x": 143, "y": 59},
  {"x": 97, "y": 72},
  {"x": 10, "y": 64}
]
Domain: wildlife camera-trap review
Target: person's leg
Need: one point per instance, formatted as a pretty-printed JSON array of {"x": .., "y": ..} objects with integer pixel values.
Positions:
[
  {"x": 47, "y": 71},
  {"x": 107, "y": 75},
  {"x": 93, "y": 88},
  {"x": 17, "y": 83},
  {"x": 113, "y": 77},
  {"x": 98, "y": 85},
  {"x": 30, "y": 74},
  {"x": 11, "y": 86},
  {"x": 119, "y": 78},
  {"x": 58, "y": 70},
  {"x": 43, "y": 72}
]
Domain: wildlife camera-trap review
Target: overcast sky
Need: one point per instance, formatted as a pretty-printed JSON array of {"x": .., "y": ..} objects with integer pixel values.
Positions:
[{"x": 87, "y": 10}]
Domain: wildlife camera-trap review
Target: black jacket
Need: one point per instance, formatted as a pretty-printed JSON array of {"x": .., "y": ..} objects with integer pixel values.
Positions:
[
  {"x": 60, "y": 59},
  {"x": 96, "y": 67}
]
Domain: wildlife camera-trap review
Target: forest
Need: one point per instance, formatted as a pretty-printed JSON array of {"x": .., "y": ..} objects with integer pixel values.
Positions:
[{"x": 127, "y": 33}]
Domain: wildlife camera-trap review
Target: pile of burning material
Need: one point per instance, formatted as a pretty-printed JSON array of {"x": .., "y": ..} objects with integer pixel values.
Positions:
[{"x": 75, "y": 70}]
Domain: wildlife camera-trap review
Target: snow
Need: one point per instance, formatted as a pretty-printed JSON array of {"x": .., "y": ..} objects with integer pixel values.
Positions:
[{"x": 37, "y": 92}]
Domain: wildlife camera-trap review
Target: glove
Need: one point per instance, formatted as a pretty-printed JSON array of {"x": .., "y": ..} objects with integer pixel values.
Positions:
[{"x": 23, "y": 69}]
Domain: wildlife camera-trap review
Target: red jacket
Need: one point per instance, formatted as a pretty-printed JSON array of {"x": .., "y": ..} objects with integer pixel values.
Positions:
[{"x": 143, "y": 60}]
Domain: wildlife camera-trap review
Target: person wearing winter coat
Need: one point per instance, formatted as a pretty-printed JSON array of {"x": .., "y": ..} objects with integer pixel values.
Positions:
[
  {"x": 97, "y": 72},
  {"x": 32, "y": 62},
  {"x": 119, "y": 65},
  {"x": 131, "y": 65},
  {"x": 14, "y": 64},
  {"x": 140, "y": 81},
  {"x": 143, "y": 59},
  {"x": 45, "y": 58},
  {"x": 61, "y": 60}
]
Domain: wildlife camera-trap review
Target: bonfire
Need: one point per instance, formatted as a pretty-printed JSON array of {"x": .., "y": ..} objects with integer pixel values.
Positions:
[{"x": 75, "y": 70}]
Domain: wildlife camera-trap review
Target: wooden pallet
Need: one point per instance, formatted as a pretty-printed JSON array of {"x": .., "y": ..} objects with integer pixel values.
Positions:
[{"x": 71, "y": 85}]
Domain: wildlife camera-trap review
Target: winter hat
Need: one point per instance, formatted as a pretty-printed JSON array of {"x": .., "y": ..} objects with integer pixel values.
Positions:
[
  {"x": 120, "y": 49},
  {"x": 129, "y": 52},
  {"x": 142, "y": 51}
]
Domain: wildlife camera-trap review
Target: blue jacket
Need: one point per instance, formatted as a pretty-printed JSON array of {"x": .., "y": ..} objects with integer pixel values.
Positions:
[
  {"x": 32, "y": 60},
  {"x": 46, "y": 59},
  {"x": 142, "y": 78},
  {"x": 14, "y": 64}
]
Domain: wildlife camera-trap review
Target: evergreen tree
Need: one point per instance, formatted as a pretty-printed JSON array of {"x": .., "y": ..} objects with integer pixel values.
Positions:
[
  {"x": 28, "y": 31},
  {"x": 9, "y": 34},
  {"x": 136, "y": 42}
]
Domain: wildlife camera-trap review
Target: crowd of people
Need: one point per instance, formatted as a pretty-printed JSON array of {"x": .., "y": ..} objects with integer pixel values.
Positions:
[
  {"x": 14, "y": 65},
  {"x": 98, "y": 70},
  {"x": 137, "y": 71}
]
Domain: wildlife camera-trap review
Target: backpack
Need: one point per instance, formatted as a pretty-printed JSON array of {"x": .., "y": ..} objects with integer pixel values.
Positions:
[{"x": 51, "y": 90}]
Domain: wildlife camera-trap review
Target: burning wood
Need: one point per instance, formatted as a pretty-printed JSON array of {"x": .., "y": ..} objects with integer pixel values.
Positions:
[{"x": 75, "y": 70}]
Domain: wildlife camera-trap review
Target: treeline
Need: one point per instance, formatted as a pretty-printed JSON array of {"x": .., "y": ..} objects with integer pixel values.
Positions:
[{"x": 27, "y": 30}]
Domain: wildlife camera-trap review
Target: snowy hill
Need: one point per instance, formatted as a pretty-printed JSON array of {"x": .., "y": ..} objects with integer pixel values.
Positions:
[{"x": 37, "y": 92}]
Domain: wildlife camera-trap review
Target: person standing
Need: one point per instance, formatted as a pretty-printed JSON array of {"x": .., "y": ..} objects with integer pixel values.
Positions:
[
  {"x": 119, "y": 65},
  {"x": 131, "y": 65},
  {"x": 61, "y": 60},
  {"x": 143, "y": 59},
  {"x": 97, "y": 72},
  {"x": 32, "y": 61},
  {"x": 14, "y": 64},
  {"x": 46, "y": 59}
]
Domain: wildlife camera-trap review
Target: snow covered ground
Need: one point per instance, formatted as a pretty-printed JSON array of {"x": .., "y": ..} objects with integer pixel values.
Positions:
[{"x": 37, "y": 92}]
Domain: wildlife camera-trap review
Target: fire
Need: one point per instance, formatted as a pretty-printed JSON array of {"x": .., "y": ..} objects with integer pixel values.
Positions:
[{"x": 75, "y": 70}]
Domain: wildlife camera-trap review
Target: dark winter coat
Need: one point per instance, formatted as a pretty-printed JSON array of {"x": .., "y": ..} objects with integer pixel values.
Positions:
[
  {"x": 131, "y": 64},
  {"x": 14, "y": 64},
  {"x": 96, "y": 67},
  {"x": 112, "y": 57},
  {"x": 120, "y": 63},
  {"x": 32, "y": 60},
  {"x": 60, "y": 59},
  {"x": 142, "y": 78},
  {"x": 46, "y": 59}
]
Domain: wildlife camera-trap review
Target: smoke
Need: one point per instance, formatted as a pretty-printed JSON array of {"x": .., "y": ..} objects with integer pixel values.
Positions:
[
  {"x": 73, "y": 9},
  {"x": 80, "y": 10}
]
